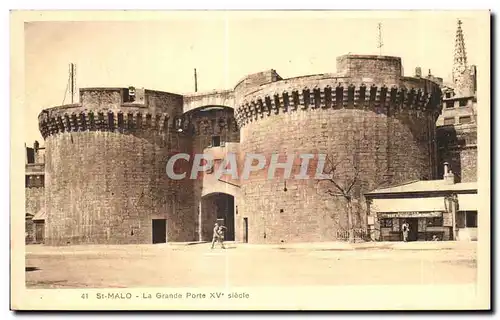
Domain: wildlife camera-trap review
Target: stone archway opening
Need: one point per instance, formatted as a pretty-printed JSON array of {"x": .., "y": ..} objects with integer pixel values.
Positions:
[{"x": 217, "y": 207}]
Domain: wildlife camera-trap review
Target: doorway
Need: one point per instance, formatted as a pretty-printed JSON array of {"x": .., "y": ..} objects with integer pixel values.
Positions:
[
  {"x": 217, "y": 207},
  {"x": 39, "y": 231},
  {"x": 159, "y": 230},
  {"x": 413, "y": 223},
  {"x": 245, "y": 230}
]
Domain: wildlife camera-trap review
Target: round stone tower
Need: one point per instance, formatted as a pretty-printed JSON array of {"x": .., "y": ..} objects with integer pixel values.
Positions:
[
  {"x": 375, "y": 126},
  {"x": 105, "y": 169}
]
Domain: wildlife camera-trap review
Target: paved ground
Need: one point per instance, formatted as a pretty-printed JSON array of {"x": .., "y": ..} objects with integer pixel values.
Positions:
[{"x": 182, "y": 265}]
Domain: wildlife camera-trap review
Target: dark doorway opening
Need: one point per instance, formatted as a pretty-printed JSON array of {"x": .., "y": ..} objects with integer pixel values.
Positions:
[
  {"x": 159, "y": 230},
  {"x": 39, "y": 231},
  {"x": 245, "y": 230},
  {"x": 413, "y": 234},
  {"x": 217, "y": 207}
]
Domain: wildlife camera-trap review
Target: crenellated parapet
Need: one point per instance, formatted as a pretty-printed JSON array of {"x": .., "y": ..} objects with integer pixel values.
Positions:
[
  {"x": 123, "y": 110},
  {"x": 54, "y": 121},
  {"x": 380, "y": 99}
]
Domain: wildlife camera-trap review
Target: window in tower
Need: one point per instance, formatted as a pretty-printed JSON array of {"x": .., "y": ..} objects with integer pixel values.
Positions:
[
  {"x": 216, "y": 141},
  {"x": 449, "y": 121},
  {"x": 464, "y": 119}
]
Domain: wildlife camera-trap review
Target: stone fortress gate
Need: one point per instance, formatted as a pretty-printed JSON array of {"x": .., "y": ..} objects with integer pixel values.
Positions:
[{"x": 105, "y": 156}]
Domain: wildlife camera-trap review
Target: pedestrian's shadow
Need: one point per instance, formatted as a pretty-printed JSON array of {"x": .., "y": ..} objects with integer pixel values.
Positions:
[{"x": 29, "y": 269}]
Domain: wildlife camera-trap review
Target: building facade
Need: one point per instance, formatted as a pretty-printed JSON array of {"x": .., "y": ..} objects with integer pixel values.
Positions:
[
  {"x": 35, "y": 194},
  {"x": 105, "y": 165},
  {"x": 447, "y": 208},
  {"x": 457, "y": 125},
  {"x": 434, "y": 210}
]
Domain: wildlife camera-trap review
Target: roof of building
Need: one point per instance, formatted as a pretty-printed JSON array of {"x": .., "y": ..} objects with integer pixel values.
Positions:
[
  {"x": 426, "y": 186},
  {"x": 40, "y": 215}
]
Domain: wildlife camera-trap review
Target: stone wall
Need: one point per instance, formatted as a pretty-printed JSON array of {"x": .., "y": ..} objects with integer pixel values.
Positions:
[
  {"x": 214, "y": 98},
  {"x": 29, "y": 230},
  {"x": 34, "y": 202},
  {"x": 253, "y": 81},
  {"x": 35, "y": 198},
  {"x": 468, "y": 160},
  {"x": 381, "y": 69},
  {"x": 458, "y": 146}
]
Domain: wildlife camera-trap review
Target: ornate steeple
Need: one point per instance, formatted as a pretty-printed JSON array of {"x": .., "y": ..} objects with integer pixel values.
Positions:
[
  {"x": 460, "y": 55},
  {"x": 461, "y": 73}
]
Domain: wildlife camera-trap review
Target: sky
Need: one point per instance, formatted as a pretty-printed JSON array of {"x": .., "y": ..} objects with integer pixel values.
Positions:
[{"x": 161, "y": 53}]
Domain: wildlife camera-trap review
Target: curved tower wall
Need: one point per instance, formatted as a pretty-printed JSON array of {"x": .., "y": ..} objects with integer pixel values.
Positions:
[
  {"x": 385, "y": 132},
  {"x": 105, "y": 169}
]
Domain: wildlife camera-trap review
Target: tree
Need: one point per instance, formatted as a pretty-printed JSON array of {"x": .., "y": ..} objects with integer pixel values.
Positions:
[
  {"x": 343, "y": 187},
  {"x": 344, "y": 177}
]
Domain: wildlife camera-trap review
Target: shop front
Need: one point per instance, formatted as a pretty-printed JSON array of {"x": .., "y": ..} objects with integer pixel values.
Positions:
[
  {"x": 434, "y": 210},
  {"x": 423, "y": 226}
]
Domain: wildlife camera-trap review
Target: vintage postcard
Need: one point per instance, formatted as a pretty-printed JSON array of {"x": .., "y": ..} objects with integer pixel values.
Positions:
[{"x": 250, "y": 160}]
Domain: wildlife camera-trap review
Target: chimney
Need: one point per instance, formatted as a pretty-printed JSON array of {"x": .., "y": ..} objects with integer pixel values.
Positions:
[
  {"x": 418, "y": 72},
  {"x": 474, "y": 77},
  {"x": 448, "y": 176},
  {"x": 131, "y": 94}
]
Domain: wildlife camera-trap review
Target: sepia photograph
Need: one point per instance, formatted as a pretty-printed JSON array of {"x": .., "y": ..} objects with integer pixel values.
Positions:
[{"x": 250, "y": 160}]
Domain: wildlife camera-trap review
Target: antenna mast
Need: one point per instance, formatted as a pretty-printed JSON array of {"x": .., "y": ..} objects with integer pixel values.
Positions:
[
  {"x": 195, "y": 81},
  {"x": 380, "y": 42}
]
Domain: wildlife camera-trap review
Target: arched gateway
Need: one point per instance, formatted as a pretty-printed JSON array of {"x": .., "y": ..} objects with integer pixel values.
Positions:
[{"x": 217, "y": 207}]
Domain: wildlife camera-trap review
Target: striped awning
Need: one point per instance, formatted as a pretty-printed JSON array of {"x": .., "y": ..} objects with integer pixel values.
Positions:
[{"x": 431, "y": 204}]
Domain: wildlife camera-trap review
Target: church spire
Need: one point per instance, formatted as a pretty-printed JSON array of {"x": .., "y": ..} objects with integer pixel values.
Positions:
[
  {"x": 461, "y": 73},
  {"x": 460, "y": 55}
]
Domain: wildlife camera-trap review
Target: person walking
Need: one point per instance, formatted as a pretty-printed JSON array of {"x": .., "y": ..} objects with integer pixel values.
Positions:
[
  {"x": 218, "y": 235},
  {"x": 221, "y": 236},
  {"x": 406, "y": 230},
  {"x": 215, "y": 236}
]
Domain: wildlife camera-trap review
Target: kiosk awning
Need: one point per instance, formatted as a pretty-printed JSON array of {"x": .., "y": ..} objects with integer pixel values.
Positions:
[
  {"x": 408, "y": 204},
  {"x": 467, "y": 202},
  {"x": 40, "y": 215}
]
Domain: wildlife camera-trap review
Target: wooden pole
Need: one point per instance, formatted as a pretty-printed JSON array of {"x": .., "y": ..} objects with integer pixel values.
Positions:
[
  {"x": 72, "y": 81},
  {"x": 195, "y": 81},
  {"x": 453, "y": 218}
]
